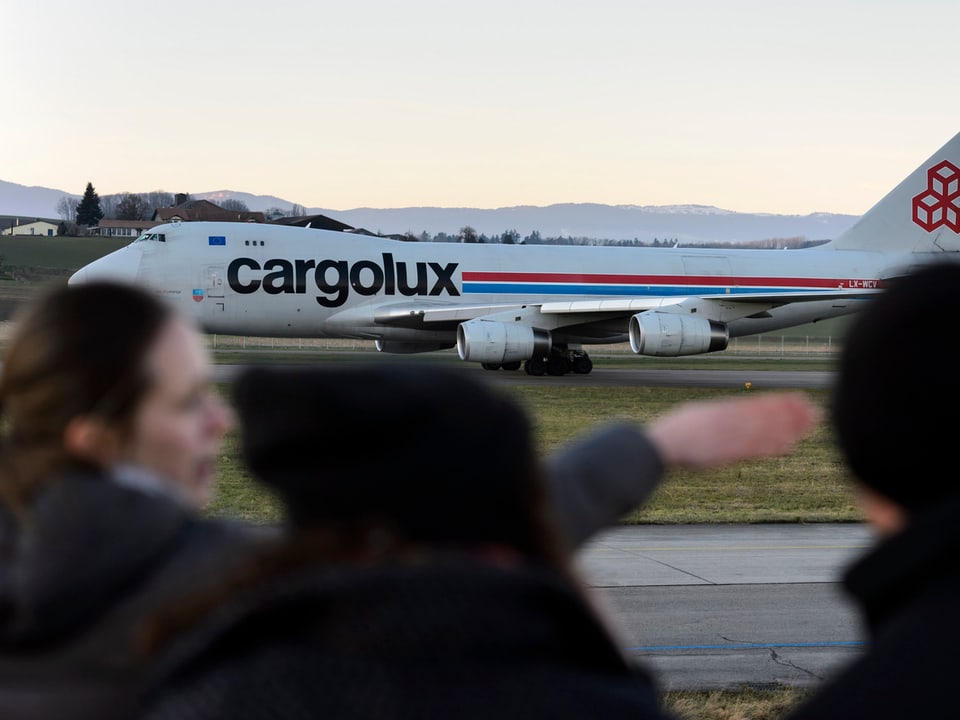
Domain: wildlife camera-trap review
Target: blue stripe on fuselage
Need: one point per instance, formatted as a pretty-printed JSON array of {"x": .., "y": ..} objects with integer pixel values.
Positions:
[{"x": 642, "y": 290}]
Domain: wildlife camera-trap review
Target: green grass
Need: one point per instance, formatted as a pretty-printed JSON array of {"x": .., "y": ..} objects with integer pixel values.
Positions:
[
  {"x": 747, "y": 704},
  {"x": 238, "y": 495},
  {"x": 808, "y": 485}
]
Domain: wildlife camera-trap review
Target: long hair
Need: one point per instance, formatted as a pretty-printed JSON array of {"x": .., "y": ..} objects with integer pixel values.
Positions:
[{"x": 75, "y": 351}]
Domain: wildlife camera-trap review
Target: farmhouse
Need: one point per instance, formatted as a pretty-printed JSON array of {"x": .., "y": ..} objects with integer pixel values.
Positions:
[
  {"x": 37, "y": 227},
  {"x": 192, "y": 210}
]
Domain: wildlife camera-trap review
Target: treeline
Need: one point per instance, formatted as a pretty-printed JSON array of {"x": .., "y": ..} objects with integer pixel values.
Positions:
[{"x": 512, "y": 237}]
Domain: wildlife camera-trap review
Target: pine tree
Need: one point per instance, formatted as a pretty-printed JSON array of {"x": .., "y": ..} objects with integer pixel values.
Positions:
[{"x": 88, "y": 210}]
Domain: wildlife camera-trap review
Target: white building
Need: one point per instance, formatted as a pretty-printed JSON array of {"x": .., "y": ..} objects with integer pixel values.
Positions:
[{"x": 37, "y": 227}]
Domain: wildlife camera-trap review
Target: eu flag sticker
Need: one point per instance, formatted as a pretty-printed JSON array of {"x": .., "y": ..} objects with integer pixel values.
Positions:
[{"x": 217, "y": 239}]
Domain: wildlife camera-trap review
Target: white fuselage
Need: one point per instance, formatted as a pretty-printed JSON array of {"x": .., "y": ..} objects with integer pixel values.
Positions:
[{"x": 252, "y": 279}]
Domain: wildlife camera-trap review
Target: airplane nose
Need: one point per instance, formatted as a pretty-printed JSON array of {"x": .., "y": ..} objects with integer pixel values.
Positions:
[{"x": 122, "y": 265}]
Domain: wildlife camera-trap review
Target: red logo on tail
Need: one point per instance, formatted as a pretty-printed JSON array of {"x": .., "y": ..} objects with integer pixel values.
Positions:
[{"x": 939, "y": 204}]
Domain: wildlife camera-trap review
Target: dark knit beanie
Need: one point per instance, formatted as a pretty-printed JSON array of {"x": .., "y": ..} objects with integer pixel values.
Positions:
[
  {"x": 897, "y": 395},
  {"x": 441, "y": 457}
]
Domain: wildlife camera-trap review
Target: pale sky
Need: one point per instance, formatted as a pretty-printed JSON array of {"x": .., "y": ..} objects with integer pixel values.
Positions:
[{"x": 754, "y": 106}]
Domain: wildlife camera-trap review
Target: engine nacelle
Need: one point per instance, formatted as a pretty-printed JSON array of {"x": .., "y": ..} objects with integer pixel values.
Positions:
[
  {"x": 488, "y": 341},
  {"x": 673, "y": 334},
  {"x": 409, "y": 348}
]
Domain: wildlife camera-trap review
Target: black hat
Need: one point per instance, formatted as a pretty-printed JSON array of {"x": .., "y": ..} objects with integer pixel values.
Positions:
[
  {"x": 897, "y": 396},
  {"x": 441, "y": 457}
]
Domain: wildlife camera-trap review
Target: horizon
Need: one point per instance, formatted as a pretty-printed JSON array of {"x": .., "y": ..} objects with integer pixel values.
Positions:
[
  {"x": 686, "y": 223},
  {"x": 207, "y": 194},
  {"x": 748, "y": 107}
]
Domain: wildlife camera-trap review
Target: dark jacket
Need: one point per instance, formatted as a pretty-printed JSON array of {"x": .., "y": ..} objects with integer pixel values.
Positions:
[
  {"x": 908, "y": 589},
  {"x": 455, "y": 638},
  {"x": 79, "y": 569}
]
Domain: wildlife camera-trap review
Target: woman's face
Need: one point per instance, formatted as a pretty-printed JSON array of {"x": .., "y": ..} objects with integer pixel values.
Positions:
[{"x": 179, "y": 427}]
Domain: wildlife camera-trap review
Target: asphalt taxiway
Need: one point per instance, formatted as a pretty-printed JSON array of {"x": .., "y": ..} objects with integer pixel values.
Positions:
[{"x": 730, "y": 606}]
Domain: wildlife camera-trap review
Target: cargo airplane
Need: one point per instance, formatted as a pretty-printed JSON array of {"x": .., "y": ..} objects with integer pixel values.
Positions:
[{"x": 507, "y": 306}]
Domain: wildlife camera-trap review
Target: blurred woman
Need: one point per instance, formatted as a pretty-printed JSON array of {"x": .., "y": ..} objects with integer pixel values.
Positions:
[{"x": 111, "y": 434}]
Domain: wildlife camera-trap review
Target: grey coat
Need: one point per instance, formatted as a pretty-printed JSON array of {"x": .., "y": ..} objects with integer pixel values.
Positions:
[{"x": 81, "y": 567}]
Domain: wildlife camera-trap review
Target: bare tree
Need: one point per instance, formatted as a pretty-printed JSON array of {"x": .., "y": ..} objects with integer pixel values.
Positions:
[
  {"x": 67, "y": 208},
  {"x": 468, "y": 234},
  {"x": 133, "y": 207},
  {"x": 157, "y": 199},
  {"x": 297, "y": 210},
  {"x": 234, "y": 205},
  {"x": 108, "y": 204}
]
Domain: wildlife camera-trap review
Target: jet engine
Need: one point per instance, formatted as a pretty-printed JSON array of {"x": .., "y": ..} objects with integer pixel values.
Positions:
[
  {"x": 673, "y": 334},
  {"x": 488, "y": 341}
]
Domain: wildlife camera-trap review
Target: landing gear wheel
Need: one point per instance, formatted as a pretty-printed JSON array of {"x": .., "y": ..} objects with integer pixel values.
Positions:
[
  {"x": 490, "y": 366},
  {"x": 558, "y": 364},
  {"x": 582, "y": 364},
  {"x": 535, "y": 366},
  {"x": 512, "y": 365}
]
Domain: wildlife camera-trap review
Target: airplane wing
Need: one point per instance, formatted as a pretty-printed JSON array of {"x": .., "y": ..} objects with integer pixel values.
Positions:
[
  {"x": 679, "y": 304},
  {"x": 721, "y": 306}
]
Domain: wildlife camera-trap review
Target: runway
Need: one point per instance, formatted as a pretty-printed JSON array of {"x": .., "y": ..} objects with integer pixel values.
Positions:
[
  {"x": 606, "y": 377},
  {"x": 618, "y": 377},
  {"x": 730, "y": 606}
]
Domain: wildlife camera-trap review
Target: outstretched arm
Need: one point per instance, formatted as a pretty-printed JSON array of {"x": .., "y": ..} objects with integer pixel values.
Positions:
[{"x": 596, "y": 479}]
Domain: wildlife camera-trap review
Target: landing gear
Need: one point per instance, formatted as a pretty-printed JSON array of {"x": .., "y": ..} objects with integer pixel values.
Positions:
[
  {"x": 512, "y": 365},
  {"x": 535, "y": 366},
  {"x": 560, "y": 361},
  {"x": 582, "y": 364}
]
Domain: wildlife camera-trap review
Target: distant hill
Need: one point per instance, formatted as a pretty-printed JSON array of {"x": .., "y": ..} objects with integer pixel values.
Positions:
[
  {"x": 30, "y": 201},
  {"x": 683, "y": 223}
]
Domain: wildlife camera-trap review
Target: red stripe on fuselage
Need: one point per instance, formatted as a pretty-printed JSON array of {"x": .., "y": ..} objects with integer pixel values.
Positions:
[{"x": 719, "y": 280}]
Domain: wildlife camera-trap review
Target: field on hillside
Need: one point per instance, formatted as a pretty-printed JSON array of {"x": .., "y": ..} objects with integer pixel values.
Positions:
[{"x": 65, "y": 254}]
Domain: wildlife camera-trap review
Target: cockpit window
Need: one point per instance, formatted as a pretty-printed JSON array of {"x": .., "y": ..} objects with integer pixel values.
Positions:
[{"x": 152, "y": 237}]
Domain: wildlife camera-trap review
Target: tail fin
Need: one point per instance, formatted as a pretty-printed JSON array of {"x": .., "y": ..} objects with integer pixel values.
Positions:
[{"x": 921, "y": 214}]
